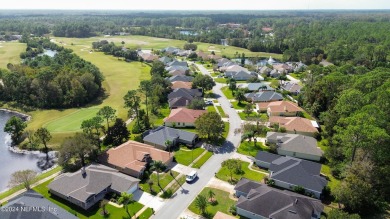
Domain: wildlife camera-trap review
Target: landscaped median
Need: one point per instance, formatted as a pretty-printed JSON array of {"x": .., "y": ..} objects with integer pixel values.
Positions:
[
  {"x": 221, "y": 202},
  {"x": 93, "y": 212}
]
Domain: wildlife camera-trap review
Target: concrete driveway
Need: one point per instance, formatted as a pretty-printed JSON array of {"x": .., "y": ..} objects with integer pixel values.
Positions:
[{"x": 148, "y": 200}]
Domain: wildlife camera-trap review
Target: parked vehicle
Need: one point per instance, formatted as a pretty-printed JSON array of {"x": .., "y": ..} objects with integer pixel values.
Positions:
[{"x": 191, "y": 176}]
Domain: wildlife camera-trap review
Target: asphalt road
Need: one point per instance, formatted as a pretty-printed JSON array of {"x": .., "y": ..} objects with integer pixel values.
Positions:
[{"x": 183, "y": 198}]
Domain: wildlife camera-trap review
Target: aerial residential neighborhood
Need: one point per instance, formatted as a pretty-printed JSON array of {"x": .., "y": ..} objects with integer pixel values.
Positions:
[{"x": 171, "y": 112}]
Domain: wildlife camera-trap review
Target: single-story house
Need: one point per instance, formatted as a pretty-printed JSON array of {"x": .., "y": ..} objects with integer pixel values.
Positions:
[
  {"x": 220, "y": 215},
  {"x": 170, "y": 50},
  {"x": 133, "y": 157},
  {"x": 240, "y": 75},
  {"x": 283, "y": 108},
  {"x": 181, "y": 84},
  {"x": 183, "y": 117},
  {"x": 296, "y": 125},
  {"x": 292, "y": 87},
  {"x": 165, "y": 60},
  {"x": 275, "y": 73},
  {"x": 181, "y": 78},
  {"x": 182, "y": 92},
  {"x": 259, "y": 86},
  {"x": 265, "y": 70},
  {"x": 264, "y": 159},
  {"x": 244, "y": 186},
  {"x": 157, "y": 137},
  {"x": 178, "y": 63},
  {"x": 178, "y": 72},
  {"x": 294, "y": 145},
  {"x": 148, "y": 57},
  {"x": 265, "y": 202},
  {"x": 264, "y": 96},
  {"x": 89, "y": 185},
  {"x": 177, "y": 67},
  {"x": 289, "y": 172},
  {"x": 30, "y": 205},
  {"x": 282, "y": 67},
  {"x": 179, "y": 102},
  {"x": 222, "y": 61}
]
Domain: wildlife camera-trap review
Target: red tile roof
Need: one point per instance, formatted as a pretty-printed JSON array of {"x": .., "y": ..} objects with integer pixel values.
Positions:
[
  {"x": 294, "y": 123},
  {"x": 284, "y": 106},
  {"x": 184, "y": 115}
]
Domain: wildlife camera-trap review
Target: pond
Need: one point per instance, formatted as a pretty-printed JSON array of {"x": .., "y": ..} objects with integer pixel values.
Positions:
[
  {"x": 48, "y": 52},
  {"x": 188, "y": 33},
  {"x": 10, "y": 161}
]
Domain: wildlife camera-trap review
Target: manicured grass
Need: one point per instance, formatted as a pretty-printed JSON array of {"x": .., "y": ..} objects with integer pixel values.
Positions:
[
  {"x": 307, "y": 115},
  {"x": 221, "y": 112},
  {"x": 224, "y": 174},
  {"x": 165, "y": 179},
  {"x": 222, "y": 203},
  {"x": 93, "y": 212},
  {"x": 186, "y": 156},
  {"x": 211, "y": 108},
  {"x": 158, "y": 120},
  {"x": 226, "y": 130},
  {"x": 248, "y": 148},
  {"x": 244, "y": 116},
  {"x": 188, "y": 129},
  {"x": 228, "y": 93},
  {"x": 39, "y": 177},
  {"x": 146, "y": 214},
  {"x": 202, "y": 160},
  {"x": 181, "y": 180},
  {"x": 220, "y": 80},
  {"x": 296, "y": 75},
  {"x": 9, "y": 53},
  {"x": 333, "y": 182},
  {"x": 239, "y": 106},
  {"x": 214, "y": 74}
]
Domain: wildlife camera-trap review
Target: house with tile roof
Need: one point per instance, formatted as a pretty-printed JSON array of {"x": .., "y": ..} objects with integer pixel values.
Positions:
[
  {"x": 283, "y": 108},
  {"x": 157, "y": 137},
  {"x": 183, "y": 117},
  {"x": 263, "y": 96},
  {"x": 132, "y": 157},
  {"x": 289, "y": 172},
  {"x": 263, "y": 201},
  {"x": 89, "y": 185},
  {"x": 181, "y": 84},
  {"x": 220, "y": 215},
  {"x": 34, "y": 206},
  {"x": 296, "y": 125},
  {"x": 295, "y": 145}
]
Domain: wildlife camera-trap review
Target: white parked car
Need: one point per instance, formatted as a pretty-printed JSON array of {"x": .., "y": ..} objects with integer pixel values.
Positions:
[{"x": 191, "y": 176}]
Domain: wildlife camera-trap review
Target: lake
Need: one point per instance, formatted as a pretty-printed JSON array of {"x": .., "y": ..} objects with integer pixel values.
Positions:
[{"x": 9, "y": 161}]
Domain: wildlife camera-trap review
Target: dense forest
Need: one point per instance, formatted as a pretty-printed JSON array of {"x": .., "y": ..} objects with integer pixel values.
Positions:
[
  {"x": 62, "y": 81},
  {"x": 359, "y": 38}
]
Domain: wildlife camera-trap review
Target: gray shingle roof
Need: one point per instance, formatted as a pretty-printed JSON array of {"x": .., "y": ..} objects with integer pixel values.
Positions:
[
  {"x": 179, "y": 102},
  {"x": 183, "y": 92},
  {"x": 245, "y": 185},
  {"x": 178, "y": 63},
  {"x": 97, "y": 177},
  {"x": 298, "y": 172},
  {"x": 161, "y": 134},
  {"x": 33, "y": 199},
  {"x": 266, "y": 157},
  {"x": 292, "y": 87},
  {"x": 295, "y": 143},
  {"x": 273, "y": 203},
  {"x": 257, "y": 86},
  {"x": 180, "y": 78},
  {"x": 264, "y": 96},
  {"x": 165, "y": 60}
]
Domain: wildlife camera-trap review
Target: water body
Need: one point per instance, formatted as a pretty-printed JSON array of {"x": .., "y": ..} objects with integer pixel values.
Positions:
[
  {"x": 188, "y": 33},
  {"x": 9, "y": 161},
  {"x": 49, "y": 52}
]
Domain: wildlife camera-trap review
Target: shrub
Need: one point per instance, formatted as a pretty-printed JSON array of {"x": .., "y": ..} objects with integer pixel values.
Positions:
[{"x": 233, "y": 210}]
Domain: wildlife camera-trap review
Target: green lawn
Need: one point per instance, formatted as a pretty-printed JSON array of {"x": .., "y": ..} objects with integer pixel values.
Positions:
[
  {"x": 244, "y": 116},
  {"x": 39, "y": 177},
  {"x": 223, "y": 203},
  {"x": 220, "y": 80},
  {"x": 157, "y": 120},
  {"x": 228, "y": 93},
  {"x": 221, "y": 112},
  {"x": 239, "y": 106},
  {"x": 165, "y": 179},
  {"x": 333, "y": 182},
  {"x": 188, "y": 129},
  {"x": 185, "y": 156},
  {"x": 226, "y": 131},
  {"x": 210, "y": 108},
  {"x": 203, "y": 159},
  {"x": 9, "y": 53},
  {"x": 214, "y": 74},
  {"x": 224, "y": 174},
  {"x": 93, "y": 212},
  {"x": 248, "y": 148},
  {"x": 146, "y": 214},
  {"x": 181, "y": 180}
]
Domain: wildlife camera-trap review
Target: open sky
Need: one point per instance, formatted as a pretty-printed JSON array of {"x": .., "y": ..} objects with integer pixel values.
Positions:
[{"x": 196, "y": 4}]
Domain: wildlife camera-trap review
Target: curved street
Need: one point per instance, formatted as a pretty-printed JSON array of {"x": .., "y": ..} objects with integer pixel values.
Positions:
[{"x": 184, "y": 196}]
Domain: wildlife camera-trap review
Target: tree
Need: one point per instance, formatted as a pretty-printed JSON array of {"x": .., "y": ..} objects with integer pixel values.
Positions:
[
  {"x": 201, "y": 203},
  {"x": 15, "y": 127},
  {"x": 248, "y": 109},
  {"x": 92, "y": 128},
  {"x": 150, "y": 183},
  {"x": 103, "y": 204},
  {"x": 233, "y": 165},
  {"x": 339, "y": 214},
  {"x": 107, "y": 113},
  {"x": 203, "y": 81},
  {"x": 24, "y": 177},
  {"x": 232, "y": 85},
  {"x": 125, "y": 199},
  {"x": 77, "y": 148},
  {"x": 132, "y": 102},
  {"x": 197, "y": 104},
  {"x": 239, "y": 95},
  {"x": 211, "y": 195},
  {"x": 190, "y": 46},
  {"x": 211, "y": 125},
  {"x": 192, "y": 56},
  {"x": 43, "y": 136},
  {"x": 145, "y": 87},
  {"x": 117, "y": 134},
  {"x": 159, "y": 167},
  {"x": 158, "y": 68}
]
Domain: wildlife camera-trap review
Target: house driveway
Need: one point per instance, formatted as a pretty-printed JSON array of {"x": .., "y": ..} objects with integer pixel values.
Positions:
[
  {"x": 221, "y": 185},
  {"x": 148, "y": 200},
  {"x": 181, "y": 168}
]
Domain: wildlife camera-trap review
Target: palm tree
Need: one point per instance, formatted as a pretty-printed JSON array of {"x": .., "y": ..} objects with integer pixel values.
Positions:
[
  {"x": 168, "y": 144},
  {"x": 150, "y": 183},
  {"x": 125, "y": 200},
  {"x": 201, "y": 203},
  {"x": 158, "y": 166},
  {"x": 211, "y": 195}
]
